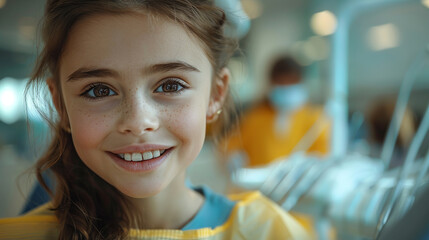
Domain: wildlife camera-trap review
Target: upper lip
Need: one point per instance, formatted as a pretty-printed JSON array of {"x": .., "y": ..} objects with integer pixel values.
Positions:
[{"x": 140, "y": 148}]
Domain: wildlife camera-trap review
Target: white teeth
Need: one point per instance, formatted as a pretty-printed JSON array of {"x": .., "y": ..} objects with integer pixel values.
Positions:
[
  {"x": 147, "y": 155},
  {"x": 156, "y": 153},
  {"x": 136, "y": 157}
]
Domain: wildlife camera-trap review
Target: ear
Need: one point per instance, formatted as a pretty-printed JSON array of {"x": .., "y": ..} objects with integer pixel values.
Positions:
[
  {"x": 54, "y": 94},
  {"x": 218, "y": 94},
  {"x": 56, "y": 99}
]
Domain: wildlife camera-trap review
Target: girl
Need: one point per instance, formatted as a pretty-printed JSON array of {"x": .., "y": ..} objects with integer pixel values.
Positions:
[{"x": 134, "y": 84}]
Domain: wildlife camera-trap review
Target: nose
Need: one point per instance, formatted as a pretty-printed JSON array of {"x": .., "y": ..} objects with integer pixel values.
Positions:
[{"x": 138, "y": 117}]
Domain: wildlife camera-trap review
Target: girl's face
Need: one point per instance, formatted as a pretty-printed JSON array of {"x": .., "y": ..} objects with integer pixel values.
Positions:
[{"x": 137, "y": 94}]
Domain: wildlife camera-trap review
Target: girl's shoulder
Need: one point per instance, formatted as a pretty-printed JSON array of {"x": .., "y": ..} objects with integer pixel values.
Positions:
[
  {"x": 39, "y": 223},
  {"x": 257, "y": 217}
]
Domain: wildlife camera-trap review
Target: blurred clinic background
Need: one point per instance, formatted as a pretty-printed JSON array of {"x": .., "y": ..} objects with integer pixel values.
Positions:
[{"x": 360, "y": 70}]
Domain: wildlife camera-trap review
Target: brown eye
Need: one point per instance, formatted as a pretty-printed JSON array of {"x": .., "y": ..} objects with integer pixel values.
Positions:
[
  {"x": 170, "y": 86},
  {"x": 99, "y": 91}
]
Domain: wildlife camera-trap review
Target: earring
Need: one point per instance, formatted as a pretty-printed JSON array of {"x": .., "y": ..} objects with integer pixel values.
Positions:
[
  {"x": 67, "y": 129},
  {"x": 212, "y": 118}
]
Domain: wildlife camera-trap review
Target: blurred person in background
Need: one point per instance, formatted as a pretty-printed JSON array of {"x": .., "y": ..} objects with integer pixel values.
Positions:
[
  {"x": 276, "y": 127},
  {"x": 283, "y": 123}
]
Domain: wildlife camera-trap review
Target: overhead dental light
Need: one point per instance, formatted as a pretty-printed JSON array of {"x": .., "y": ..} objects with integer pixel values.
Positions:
[
  {"x": 425, "y": 3},
  {"x": 323, "y": 23},
  {"x": 383, "y": 37}
]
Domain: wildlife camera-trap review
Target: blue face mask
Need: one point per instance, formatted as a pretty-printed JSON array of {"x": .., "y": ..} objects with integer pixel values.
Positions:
[{"x": 289, "y": 97}]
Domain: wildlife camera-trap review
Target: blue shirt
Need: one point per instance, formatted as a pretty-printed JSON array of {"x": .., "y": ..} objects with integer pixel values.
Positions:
[{"x": 214, "y": 211}]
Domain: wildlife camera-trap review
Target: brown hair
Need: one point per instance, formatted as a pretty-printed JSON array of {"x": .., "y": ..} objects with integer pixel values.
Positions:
[
  {"x": 284, "y": 65},
  {"x": 86, "y": 206}
]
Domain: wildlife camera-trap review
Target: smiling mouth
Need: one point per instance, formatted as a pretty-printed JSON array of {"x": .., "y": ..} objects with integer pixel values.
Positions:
[{"x": 144, "y": 156}]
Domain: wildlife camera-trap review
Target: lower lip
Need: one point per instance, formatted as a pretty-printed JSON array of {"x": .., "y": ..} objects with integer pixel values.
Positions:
[{"x": 142, "y": 166}]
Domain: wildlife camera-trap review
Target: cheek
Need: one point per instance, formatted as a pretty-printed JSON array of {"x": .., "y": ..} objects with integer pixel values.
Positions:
[
  {"x": 189, "y": 124},
  {"x": 88, "y": 128}
]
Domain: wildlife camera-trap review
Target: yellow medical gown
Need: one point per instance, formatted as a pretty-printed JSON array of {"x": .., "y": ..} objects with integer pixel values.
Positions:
[
  {"x": 253, "y": 217},
  {"x": 258, "y": 137}
]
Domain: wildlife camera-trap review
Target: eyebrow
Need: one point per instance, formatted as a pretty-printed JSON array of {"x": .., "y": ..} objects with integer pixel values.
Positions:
[
  {"x": 172, "y": 66},
  {"x": 86, "y": 72}
]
